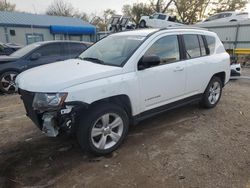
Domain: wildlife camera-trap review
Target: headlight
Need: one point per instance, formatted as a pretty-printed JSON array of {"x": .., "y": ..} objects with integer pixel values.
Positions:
[{"x": 48, "y": 101}]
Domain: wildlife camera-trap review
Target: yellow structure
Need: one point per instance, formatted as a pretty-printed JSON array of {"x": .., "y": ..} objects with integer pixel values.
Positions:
[{"x": 242, "y": 51}]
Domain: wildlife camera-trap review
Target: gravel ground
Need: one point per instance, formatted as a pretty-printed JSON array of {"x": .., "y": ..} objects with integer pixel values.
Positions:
[{"x": 187, "y": 147}]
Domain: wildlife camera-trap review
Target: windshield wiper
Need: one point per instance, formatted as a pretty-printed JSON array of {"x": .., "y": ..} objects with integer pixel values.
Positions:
[{"x": 92, "y": 59}]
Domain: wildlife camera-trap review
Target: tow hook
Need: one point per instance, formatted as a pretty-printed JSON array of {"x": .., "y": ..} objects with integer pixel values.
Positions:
[{"x": 49, "y": 125}]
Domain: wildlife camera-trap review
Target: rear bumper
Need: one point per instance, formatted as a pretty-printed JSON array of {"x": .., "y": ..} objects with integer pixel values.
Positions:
[{"x": 52, "y": 123}]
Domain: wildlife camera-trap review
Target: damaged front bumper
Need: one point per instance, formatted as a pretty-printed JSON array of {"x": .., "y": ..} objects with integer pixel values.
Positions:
[{"x": 52, "y": 123}]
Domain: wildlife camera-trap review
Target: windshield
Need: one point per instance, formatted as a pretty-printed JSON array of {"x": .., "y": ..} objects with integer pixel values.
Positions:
[
  {"x": 25, "y": 50},
  {"x": 113, "y": 50}
]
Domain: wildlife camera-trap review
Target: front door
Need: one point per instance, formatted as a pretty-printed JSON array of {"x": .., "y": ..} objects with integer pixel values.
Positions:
[
  {"x": 164, "y": 83},
  {"x": 46, "y": 54}
]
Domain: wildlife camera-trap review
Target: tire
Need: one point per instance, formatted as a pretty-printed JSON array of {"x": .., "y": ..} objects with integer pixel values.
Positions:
[
  {"x": 7, "y": 82},
  {"x": 212, "y": 94},
  {"x": 95, "y": 133},
  {"x": 142, "y": 24}
]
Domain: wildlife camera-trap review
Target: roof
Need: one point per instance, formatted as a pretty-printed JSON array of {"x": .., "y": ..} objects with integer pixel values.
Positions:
[
  {"x": 146, "y": 32},
  {"x": 27, "y": 19}
]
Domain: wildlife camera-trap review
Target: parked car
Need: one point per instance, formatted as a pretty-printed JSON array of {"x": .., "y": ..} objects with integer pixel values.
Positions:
[
  {"x": 235, "y": 66},
  {"x": 229, "y": 16},
  {"x": 9, "y": 48},
  {"x": 122, "y": 79},
  {"x": 158, "y": 20},
  {"x": 236, "y": 69},
  {"x": 35, "y": 55}
]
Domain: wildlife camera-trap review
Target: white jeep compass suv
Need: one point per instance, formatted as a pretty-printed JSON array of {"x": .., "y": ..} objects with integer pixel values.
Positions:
[{"x": 122, "y": 79}]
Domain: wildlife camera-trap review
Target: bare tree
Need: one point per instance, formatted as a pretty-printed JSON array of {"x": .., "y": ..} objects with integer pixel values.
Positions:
[
  {"x": 161, "y": 6},
  {"x": 192, "y": 11},
  {"x": 6, "y": 6},
  {"x": 228, "y": 5},
  {"x": 60, "y": 8},
  {"x": 137, "y": 10},
  {"x": 101, "y": 21}
]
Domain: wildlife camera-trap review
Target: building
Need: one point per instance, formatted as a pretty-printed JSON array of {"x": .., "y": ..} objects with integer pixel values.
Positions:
[
  {"x": 25, "y": 28},
  {"x": 234, "y": 35}
]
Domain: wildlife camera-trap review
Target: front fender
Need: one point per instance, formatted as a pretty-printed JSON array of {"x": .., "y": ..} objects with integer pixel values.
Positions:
[{"x": 90, "y": 92}]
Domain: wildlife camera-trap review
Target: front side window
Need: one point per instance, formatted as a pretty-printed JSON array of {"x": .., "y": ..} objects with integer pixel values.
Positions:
[
  {"x": 113, "y": 50},
  {"x": 155, "y": 16},
  {"x": 214, "y": 17},
  {"x": 192, "y": 46},
  {"x": 25, "y": 50},
  {"x": 225, "y": 15},
  {"x": 211, "y": 44},
  {"x": 167, "y": 48}
]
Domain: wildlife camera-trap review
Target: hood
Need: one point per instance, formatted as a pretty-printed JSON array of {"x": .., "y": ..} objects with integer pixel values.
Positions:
[
  {"x": 60, "y": 75},
  {"x": 7, "y": 58}
]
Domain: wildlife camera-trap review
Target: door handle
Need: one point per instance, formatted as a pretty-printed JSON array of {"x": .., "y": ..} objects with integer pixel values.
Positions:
[{"x": 178, "y": 69}]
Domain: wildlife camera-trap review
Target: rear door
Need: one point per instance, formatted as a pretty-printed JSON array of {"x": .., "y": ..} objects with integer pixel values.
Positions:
[
  {"x": 197, "y": 61},
  {"x": 48, "y": 53}
]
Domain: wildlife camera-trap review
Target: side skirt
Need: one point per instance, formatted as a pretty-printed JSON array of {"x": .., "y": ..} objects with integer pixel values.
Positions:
[{"x": 167, "y": 107}]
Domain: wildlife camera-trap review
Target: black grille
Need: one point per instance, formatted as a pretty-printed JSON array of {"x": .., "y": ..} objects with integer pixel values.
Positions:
[{"x": 27, "y": 98}]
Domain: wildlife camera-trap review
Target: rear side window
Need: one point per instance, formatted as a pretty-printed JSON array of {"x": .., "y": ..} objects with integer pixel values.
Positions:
[
  {"x": 192, "y": 46},
  {"x": 49, "y": 50},
  {"x": 210, "y": 44}
]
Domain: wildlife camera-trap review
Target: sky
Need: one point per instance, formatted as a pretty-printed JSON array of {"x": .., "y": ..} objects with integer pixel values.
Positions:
[{"x": 87, "y": 6}]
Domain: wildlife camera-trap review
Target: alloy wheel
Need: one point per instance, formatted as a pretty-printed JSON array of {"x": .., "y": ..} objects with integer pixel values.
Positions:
[
  {"x": 107, "y": 131},
  {"x": 8, "y": 83},
  {"x": 214, "y": 92}
]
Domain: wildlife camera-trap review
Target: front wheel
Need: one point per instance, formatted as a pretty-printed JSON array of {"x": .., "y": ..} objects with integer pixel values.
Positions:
[
  {"x": 7, "y": 82},
  {"x": 212, "y": 93},
  {"x": 142, "y": 24},
  {"x": 103, "y": 129}
]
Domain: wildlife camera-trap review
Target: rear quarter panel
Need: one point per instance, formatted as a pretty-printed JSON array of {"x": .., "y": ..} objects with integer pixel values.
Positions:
[{"x": 218, "y": 62}]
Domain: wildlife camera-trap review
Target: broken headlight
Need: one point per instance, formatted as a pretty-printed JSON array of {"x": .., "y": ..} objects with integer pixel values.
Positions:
[{"x": 48, "y": 101}]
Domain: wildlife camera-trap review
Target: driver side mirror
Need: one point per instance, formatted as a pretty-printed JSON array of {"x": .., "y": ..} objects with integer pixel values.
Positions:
[
  {"x": 151, "y": 17},
  {"x": 148, "y": 61},
  {"x": 35, "y": 56}
]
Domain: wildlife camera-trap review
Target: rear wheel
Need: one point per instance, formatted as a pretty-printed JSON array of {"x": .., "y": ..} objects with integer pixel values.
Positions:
[
  {"x": 7, "y": 82},
  {"x": 212, "y": 93},
  {"x": 103, "y": 129}
]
